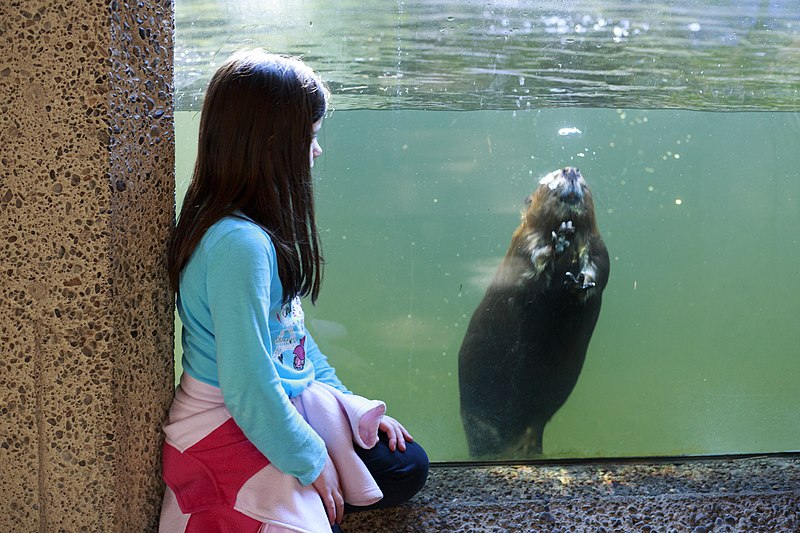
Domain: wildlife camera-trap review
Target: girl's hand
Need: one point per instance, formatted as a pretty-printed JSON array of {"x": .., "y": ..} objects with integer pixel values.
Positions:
[
  {"x": 396, "y": 432},
  {"x": 327, "y": 486}
]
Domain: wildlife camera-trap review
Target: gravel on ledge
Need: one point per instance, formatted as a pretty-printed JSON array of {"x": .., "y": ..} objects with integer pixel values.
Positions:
[{"x": 696, "y": 495}]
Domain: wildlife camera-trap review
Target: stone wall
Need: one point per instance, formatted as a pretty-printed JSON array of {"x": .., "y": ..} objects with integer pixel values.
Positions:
[{"x": 86, "y": 206}]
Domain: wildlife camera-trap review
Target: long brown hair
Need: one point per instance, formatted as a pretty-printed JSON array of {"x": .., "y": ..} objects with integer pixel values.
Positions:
[{"x": 253, "y": 156}]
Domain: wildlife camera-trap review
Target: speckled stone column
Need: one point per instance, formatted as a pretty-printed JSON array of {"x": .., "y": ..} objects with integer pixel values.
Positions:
[{"x": 86, "y": 206}]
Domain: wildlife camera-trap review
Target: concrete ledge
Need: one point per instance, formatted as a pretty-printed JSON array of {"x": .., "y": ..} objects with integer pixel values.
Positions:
[{"x": 747, "y": 494}]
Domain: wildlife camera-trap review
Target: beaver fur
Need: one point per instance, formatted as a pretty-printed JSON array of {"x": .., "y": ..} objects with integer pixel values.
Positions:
[{"x": 526, "y": 342}]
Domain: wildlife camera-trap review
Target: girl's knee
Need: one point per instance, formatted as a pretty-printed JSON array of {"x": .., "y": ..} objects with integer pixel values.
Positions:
[{"x": 417, "y": 463}]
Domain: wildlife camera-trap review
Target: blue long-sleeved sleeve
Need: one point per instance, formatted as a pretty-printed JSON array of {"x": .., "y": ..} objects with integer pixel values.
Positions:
[
  {"x": 241, "y": 274},
  {"x": 324, "y": 372}
]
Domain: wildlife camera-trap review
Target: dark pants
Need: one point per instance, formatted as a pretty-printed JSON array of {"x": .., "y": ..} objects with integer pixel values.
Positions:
[{"x": 400, "y": 475}]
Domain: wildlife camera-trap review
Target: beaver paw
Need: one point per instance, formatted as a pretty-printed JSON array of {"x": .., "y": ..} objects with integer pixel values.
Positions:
[
  {"x": 577, "y": 283},
  {"x": 561, "y": 238}
]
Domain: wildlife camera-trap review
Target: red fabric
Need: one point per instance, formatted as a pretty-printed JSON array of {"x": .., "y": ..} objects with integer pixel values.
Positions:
[{"x": 207, "y": 477}]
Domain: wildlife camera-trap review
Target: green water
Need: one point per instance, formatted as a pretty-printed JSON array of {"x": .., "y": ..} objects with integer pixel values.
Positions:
[{"x": 696, "y": 349}]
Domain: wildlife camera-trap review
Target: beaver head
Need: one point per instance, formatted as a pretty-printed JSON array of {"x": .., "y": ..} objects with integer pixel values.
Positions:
[
  {"x": 561, "y": 196},
  {"x": 559, "y": 221}
]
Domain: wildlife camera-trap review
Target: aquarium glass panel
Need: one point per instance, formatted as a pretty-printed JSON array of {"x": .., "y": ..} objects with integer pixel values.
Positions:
[{"x": 682, "y": 118}]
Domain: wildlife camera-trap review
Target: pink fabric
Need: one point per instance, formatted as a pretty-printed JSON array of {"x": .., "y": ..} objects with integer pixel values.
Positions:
[
  {"x": 340, "y": 419},
  {"x": 363, "y": 415},
  {"x": 172, "y": 519},
  {"x": 218, "y": 477}
]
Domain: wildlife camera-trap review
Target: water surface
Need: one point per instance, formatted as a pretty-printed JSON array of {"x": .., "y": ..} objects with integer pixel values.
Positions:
[{"x": 510, "y": 54}]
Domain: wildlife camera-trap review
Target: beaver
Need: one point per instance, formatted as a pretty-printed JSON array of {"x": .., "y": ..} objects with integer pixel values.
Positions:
[{"x": 526, "y": 342}]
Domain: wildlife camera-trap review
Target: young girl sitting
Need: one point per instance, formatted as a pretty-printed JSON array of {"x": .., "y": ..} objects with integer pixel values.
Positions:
[{"x": 261, "y": 433}]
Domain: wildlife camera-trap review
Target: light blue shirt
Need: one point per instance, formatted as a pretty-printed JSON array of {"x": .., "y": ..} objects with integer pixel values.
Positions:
[{"x": 239, "y": 336}]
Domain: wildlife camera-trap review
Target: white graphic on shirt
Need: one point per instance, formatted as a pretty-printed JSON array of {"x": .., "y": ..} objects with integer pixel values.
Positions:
[{"x": 290, "y": 341}]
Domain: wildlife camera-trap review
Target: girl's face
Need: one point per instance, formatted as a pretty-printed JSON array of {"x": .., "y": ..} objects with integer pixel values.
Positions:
[{"x": 316, "y": 149}]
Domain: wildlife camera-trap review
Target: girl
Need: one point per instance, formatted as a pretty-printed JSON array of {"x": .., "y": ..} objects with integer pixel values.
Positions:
[{"x": 256, "y": 438}]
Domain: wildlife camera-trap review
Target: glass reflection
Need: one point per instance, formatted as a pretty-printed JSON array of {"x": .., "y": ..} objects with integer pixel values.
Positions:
[{"x": 448, "y": 114}]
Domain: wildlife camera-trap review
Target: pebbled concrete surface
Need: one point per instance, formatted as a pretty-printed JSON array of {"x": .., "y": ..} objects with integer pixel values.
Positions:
[
  {"x": 748, "y": 494},
  {"x": 86, "y": 210}
]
